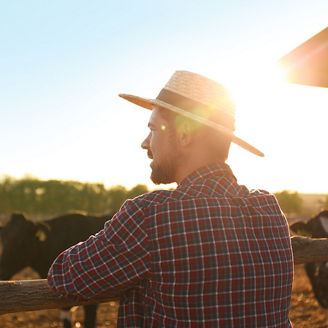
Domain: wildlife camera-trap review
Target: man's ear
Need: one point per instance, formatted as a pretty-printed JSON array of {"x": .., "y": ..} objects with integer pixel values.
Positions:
[{"x": 185, "y": 133}]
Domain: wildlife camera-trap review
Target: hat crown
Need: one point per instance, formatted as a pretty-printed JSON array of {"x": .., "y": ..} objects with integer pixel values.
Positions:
[{"x": 201, "y": 89}]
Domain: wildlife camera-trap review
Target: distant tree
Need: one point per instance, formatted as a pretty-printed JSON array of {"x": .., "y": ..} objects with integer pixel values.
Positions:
[
  {"x": 5, "y": 190},
  {"x": 324, "y": 203},
  {"x": 137, "y": 190},
  {"x": 116, "y": 195},
  {"x": 290, "y": 202}
]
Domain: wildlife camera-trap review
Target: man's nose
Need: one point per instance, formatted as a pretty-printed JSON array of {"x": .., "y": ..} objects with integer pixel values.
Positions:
[{"x": 145, "y": 143}]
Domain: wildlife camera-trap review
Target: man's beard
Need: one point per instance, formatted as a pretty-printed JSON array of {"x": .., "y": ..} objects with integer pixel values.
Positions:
[{"x": 165, "y": 172}]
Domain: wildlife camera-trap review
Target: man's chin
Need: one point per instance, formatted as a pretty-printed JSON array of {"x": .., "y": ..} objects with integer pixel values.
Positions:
[
  {"x": 159, "y": 177},
  {"x": 156, "y": 180}
]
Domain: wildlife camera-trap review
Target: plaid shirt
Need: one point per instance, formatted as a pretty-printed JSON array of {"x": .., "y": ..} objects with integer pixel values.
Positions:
[{"x": 209, "y": 254}]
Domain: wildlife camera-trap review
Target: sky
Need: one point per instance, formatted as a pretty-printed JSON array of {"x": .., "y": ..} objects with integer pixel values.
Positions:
[{"x": 63, "y": 64}]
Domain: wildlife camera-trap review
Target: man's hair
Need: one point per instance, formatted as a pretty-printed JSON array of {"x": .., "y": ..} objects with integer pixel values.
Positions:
[{"x": 220, "y": 142}]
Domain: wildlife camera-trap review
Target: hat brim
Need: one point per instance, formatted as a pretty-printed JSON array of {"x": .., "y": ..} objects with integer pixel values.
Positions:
[{"x": 150, "y": 103}]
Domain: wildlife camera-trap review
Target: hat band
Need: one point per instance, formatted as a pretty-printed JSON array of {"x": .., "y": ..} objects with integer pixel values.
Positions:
[{"x": 188, "y": 105}]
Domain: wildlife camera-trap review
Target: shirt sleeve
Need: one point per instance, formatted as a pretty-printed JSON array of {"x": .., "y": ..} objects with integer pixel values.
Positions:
[{"x": 117, "y": 257}]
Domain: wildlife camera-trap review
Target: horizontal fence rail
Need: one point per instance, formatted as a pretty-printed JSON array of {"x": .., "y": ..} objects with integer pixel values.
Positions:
[{"x": 31, "y": 295}]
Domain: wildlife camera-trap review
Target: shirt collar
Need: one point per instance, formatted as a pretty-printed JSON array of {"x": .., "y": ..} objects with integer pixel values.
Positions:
[{"x": 210, "y": 171}]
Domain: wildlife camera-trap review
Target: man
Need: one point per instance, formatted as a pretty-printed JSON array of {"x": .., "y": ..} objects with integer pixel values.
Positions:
[{"x": 210, "y": 253}]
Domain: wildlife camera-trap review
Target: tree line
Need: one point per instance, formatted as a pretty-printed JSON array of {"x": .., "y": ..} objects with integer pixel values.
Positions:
[
  {"x": 292, "y": 204},
  {"x": 53, "y": 197},
  {"x": 38, "y": 198}
]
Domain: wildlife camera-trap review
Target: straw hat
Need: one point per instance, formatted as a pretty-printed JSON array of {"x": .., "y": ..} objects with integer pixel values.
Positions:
[{"x": 199, "y": 98}]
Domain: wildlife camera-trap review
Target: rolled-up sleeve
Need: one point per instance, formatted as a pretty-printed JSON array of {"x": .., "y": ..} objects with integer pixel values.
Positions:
[{"x": 117, "y": 257}]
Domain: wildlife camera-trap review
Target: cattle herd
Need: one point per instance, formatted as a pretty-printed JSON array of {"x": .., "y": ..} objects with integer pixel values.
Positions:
[
  {"x": 25, "y": 243},
  {"x": 316, "y": 227}
]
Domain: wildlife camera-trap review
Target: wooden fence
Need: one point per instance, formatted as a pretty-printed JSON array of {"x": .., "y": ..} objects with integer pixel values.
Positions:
[{"x": 31, "y": 295}]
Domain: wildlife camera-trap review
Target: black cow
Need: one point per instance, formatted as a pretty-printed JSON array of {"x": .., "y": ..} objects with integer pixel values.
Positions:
[
  {"x": 316, "y": 227},
  {"x": 36, "y": 245}
]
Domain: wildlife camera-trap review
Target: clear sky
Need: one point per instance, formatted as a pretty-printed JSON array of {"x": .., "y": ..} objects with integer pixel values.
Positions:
[{"x": 63, "y": 63}]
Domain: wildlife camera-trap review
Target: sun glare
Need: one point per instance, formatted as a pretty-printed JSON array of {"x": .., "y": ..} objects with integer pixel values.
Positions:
[
  {"x": 255, "y": 79},
  {"x": 258, "y": 91},
  {"x": 255, "y": 90},
  {"x": 283, "y": 120}
]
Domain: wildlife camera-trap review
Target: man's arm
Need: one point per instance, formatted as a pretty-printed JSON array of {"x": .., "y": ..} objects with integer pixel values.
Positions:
[{"x": 117, "y": 257}]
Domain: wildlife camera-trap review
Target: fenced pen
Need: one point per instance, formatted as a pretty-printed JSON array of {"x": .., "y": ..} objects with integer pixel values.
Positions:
[{"x": 31, "y": 295}]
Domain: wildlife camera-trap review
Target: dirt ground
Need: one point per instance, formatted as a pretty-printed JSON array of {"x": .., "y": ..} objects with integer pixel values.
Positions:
[{"x": 305, "y": 311}]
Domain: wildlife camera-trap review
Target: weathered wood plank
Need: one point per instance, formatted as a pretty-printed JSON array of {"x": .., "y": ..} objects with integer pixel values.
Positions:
[
  {"x": 31, "y": 295},
  {"x": 309, "y": 250}
]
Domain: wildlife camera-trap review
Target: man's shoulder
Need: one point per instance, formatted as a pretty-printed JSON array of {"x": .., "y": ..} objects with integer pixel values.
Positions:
[
  {"x": 262, "y": 195},
  {"x": 155, "y": 197},
  {"x": 141, "y": 205},
  {"x": 259, "y": 198}
]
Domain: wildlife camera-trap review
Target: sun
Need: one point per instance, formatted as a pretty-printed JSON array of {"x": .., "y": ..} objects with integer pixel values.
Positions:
[
  {"x": 286, "y": 121},
  {"x": 258, "y": 90},
  {"x": 253, "y": 83}
]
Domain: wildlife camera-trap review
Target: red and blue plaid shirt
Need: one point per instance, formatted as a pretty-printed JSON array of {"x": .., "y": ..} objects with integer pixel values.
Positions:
[{"x": 209, "y": 254}]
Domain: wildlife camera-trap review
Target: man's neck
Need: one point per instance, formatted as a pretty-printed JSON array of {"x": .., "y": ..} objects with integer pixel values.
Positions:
[{"x": 192, "y": 166}]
